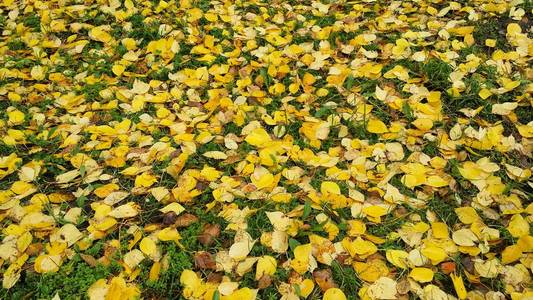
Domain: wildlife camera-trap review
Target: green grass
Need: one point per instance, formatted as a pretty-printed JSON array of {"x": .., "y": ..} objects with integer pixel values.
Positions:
[
  {"x": 389, "y": 224},
  {"x": 437, "y": 73},
  {"x": 492, "y": 28},
  {"x": 168, "y": 286},
  {"x": 444, "y": 209},
  {"x": 71, "y": 282},
  {"x": 346, "y": 278}
]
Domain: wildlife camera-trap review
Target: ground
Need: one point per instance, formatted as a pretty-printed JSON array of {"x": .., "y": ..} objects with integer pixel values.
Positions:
[{"x": 266, "y": 149}]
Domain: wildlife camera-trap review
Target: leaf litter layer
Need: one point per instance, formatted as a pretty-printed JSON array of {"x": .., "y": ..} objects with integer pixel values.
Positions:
[{"x": 266, "y": 149}]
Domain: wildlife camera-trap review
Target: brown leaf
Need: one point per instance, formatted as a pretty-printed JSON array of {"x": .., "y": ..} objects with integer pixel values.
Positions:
[
  {"x": 200, "y": 185},
  {"x": 214, "y": 277},
  {"x": 185, "y": 220},
  {"x": 34, "y": 249},
  {"x": 232, "y": 159},
  {"x": 204, "y": 260},
  {"x": 342, "y": 257},
  {"x": 208, "y": 235},
  {"x": 89, "y": 259},
  {"x": 403, "y": 287},
  {"x": 195, "y": 104},
  {"x": 447, "y": 267},
  {"x": 104, "y": 261},
  {"x": 169, "y": 218},
  {"x": 468, "y": 264},
  {"x": 109, "y": 250},
  {"x": 264, "y": 282},
  {"x": 324, "y": 279},
  {"x": 294, "y": 277}
]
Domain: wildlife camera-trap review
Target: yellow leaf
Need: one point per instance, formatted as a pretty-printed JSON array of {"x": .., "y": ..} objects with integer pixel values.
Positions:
[
  {"x": 104, "y": 190},
  {"x": 118, "y": 69},
  {"x": 133, "y": 258},
  {"x": 118, "y": 289},
  {"x": 375, "y": 211},
  {"x": 440, "y": 230},
  {"x": 301, "y": 260},
  {"x": 239, "y": 250},
  {"x": 140, "y": 87},
  {"x": 376, "y": 126},
  {"x": 145, "y": 180},
  {"x": 464, "y": 237},
  {"x": 372, "y": 270},
  {"x": 435, "y": 254},
  {"x": 258, "y": 138},
  {"x": 16, "y": 117},
  {"x": 423, "y": 124},
  {"x": 467, "y": 215},
  {"x": 511, "y": 254},
  {"x": 169, "y": 234},
  {"x": 215, "y": 154},
  {"x": 397, "y": 258},
  {"x": 488, "y": 269},
  {"x": 517, "y": 173},
  {"x": 38, "y": 72},
  {"x": 484, "y": 93},
  {"x": 148, "y": 247},
  {"x": 436, "y": 181},
  {"x": 98, "y": 290},
  {"x": 262, "y": 178},
  {"x": 98, "y": 34},
  {"x": 518, "y": 226},
  {"x": 173, "y": 207},
  {"x": 513, "y": 29},
  {"x": 504, "y": 108},
  {"x": 383, "y": 288},
  {"x": 459, "y": 286},
  {"x": 421, "y": 274},
  {"x": 154, "y": 271},
  {"x": 128, "y": 210},
  {"x": 47, "y": 263},
  {"x": 330, "y": 187},
  {"x": 306, "y": 287},
  {"x": 490, "y": 43},
  {"x": 334, "y": 294},
  {"x": 266, "y": 265},
  {"x": 12, "y": 273}
]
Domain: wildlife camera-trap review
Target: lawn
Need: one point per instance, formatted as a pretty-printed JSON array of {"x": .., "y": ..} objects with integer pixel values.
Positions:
[{"x": 238, "y": 150}]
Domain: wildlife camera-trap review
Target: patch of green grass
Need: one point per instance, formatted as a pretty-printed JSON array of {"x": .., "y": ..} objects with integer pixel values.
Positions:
[
  {"x": 388, "y": 224},
  {"x": 431, "y": 148},
  {"x": 142, "y": 31},
  {"x": 397, "y": 182},
  {"x": 437, "y": 73},
  {"x": 92, "y": 91},
  {"x": 492, "y": 28},
  {"x": 524, "y": 115},
  {"x": 444, "y": 209},
  {"x": 168, "y": 286},
  {"x": 15, "y": 45},
  {"x": 259, "y": 223},
  {"x": 33, "y": 21},
  {"x": 70, "y": 282},
  {"x": 346, "y": 278}
]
